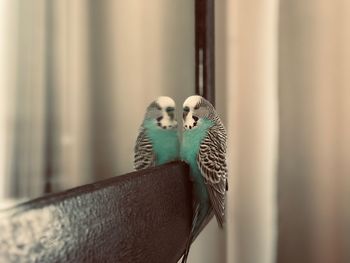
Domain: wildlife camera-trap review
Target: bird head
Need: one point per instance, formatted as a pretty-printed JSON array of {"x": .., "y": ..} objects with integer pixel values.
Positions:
[
  {"x": 162, "y": 110},
  {"x": 196, "y": 108}
]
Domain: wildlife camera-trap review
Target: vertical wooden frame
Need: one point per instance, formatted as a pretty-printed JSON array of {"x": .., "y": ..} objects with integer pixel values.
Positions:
[{"x": 205, "y": 49}]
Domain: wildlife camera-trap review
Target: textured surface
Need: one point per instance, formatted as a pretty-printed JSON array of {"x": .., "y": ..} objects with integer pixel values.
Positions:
[{"x": 139, "y": 217}]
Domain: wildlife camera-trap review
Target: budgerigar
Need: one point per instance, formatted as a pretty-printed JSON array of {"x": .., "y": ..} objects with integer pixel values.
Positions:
[
  {"x": 158, "y": 141},
  {"x": 204, "y": 149}
]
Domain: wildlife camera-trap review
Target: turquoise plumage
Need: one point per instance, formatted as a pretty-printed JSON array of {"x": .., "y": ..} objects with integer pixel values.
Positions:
[
  {"x": 165, "y": 142},
  {"x": 158, "y": 141},
  {"x": 191, "y": 142},
  {"x": 203, "y": 147}
]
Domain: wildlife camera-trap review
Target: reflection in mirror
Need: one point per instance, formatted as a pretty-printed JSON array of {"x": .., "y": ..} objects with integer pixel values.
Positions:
[{"x": 78, "y": 76}]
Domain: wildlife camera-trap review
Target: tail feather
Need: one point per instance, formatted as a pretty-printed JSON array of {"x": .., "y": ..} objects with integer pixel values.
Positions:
[
  {"x": 191, "y": 237},
  {"x": 209, "y": 215}
]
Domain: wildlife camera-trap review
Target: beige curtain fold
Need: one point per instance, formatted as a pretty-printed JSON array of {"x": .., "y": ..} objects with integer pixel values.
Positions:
[
  {"x": 287, "y": 67},
  {"x": 22, "y": 93},
  {"x": 69, "y": 86},
  {"x": 314, "y": 143},
  {"x": 253, "y": 129},
  {"x": 5, "y": 105}
]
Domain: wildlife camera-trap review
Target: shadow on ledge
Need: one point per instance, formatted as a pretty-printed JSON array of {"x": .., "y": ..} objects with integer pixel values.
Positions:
[{"x": 142, "y": 216}]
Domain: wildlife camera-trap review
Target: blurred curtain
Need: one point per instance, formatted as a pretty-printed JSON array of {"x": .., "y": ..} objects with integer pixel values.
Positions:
[
  {"x": 76, "y": 77},
  {"x": 314, "y": 164},
  {"x": 252, "y": 118},
  {"x": 288, "y": 111},
  {"x": 46, "y": 119},
  {"x": 22, "y": 121}
]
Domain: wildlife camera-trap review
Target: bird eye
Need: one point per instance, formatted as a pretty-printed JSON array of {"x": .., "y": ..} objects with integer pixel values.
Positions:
[
  {"x": 169, "y": 109},
  {"x": 158, "y": 107},
  {"x": 196, "y": 107},
  {"x": 186, "y": 109}
]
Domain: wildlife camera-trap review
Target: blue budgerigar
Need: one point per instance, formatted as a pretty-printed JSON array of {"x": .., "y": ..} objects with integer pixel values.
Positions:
[
  {"x": 158, "y": 141},
  {"x": 204, "y": 149}
]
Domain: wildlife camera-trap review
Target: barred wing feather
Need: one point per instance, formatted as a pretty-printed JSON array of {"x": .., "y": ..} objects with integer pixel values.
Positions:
[
  {"x": 211, "y": 161},
  {"x": 144, "y": 155}
]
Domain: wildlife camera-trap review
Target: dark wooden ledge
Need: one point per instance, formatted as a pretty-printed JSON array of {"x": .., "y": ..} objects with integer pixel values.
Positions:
[{"x": 142, "y": 216}]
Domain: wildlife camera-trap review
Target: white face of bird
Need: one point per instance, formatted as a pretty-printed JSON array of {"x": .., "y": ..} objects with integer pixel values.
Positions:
[
  {"x": 163, "y": 111},
  {"x": 195, "y": 108}
]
